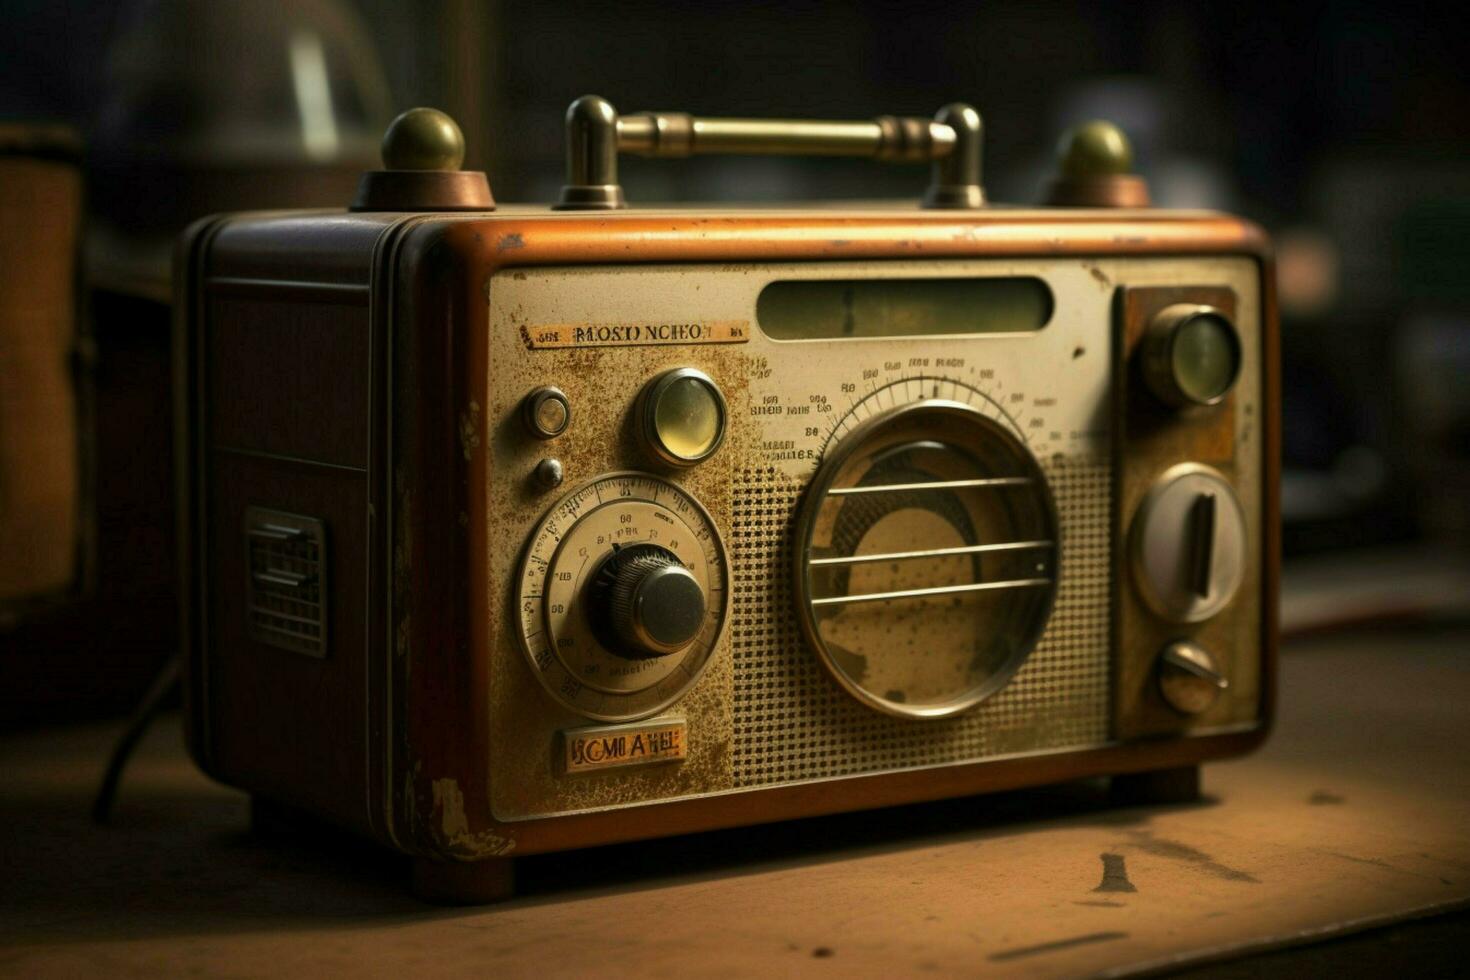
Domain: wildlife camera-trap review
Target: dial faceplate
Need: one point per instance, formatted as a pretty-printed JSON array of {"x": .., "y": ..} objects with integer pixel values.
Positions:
[{"x": 563, "y": 624}]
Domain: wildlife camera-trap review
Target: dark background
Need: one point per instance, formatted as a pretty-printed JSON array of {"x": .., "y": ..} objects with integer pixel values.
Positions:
[{"x": 1341, "y": 127}]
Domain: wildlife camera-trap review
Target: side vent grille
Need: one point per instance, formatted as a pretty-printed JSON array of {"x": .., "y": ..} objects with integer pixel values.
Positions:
[{"x": 287, "y": 584}]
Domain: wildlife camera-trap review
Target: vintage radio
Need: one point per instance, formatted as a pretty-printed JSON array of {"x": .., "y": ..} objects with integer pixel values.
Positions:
[{"x": 521, "y": 529}]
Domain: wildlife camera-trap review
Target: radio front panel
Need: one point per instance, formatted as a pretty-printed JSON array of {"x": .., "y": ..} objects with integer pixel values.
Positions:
[
  {"x": 513, "y": 528},
  {"x": 761, "y": 524}
]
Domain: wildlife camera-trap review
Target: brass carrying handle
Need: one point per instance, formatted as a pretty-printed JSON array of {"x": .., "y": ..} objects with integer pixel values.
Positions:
[{"x": 596, "y": 134}]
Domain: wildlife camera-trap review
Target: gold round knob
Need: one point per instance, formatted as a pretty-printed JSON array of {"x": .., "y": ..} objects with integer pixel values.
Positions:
[
  {"x": 1094, "y": 149},
  {"x": 1191, "y": 355},
  {"x": 423, "y": 139},
  {"x": 681, "y": 417},
  {"x": 546, "y": 412}
]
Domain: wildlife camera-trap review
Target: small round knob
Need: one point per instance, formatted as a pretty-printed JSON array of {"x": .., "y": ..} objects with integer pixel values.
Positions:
[
  {"x": 546, "y": 412},
  {"x": 1189, "y": 678},
  {"x": 548, "y": 473},
  {"x": 1191, "y": 355},
  {"x": 423, "y": 139},
  {"x": 656, "y": 606},
  {"x": 1094, "y": 149}
]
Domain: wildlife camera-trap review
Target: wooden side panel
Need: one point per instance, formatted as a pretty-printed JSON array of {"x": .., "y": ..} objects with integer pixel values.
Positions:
[
  {"x": 282, "y": 381},
  {"x": 288, "y": 725},
  {"x": 287, "y": 382},
  {"x": 40, "y": 465},
  {"x": 290, "y": 375}
]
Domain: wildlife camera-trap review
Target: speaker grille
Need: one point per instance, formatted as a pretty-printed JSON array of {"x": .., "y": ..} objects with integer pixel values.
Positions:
[
  {"x": 793, "y": 723},
  {"x": 287, "y": 596}
]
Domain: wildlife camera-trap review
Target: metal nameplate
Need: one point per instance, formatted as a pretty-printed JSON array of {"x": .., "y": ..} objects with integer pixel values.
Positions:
[
  {"x": 615, "y": 746},
  {"x": 637, "y": 334}
]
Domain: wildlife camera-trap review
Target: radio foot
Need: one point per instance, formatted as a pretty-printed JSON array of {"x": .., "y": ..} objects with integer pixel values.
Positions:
[
  {"x": 464, "y": 882},
  {"x": 1161, "y": 786}
]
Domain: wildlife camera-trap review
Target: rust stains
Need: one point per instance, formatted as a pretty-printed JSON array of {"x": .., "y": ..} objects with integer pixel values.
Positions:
[
  {"x": 469, "y": 429},
  {"x": 453, "y": 829}
]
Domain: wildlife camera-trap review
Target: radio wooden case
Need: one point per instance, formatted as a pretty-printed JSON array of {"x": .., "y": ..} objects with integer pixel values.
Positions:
[{"x": 524, "y": 529}]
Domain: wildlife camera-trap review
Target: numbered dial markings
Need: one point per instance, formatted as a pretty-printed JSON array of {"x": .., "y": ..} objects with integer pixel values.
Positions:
[
  {"x": 906, "y": 391},
  {"x": 563, "y": 623}
]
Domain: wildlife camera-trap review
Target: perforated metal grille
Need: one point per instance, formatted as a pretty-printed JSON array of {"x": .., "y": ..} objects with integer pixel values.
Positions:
[
  {"x": 792, "y": 722},
  {"x": 287, "y": 597}
]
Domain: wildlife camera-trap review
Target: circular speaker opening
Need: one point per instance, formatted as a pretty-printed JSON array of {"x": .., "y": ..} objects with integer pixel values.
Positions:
[{"x": 927, "y": 559}]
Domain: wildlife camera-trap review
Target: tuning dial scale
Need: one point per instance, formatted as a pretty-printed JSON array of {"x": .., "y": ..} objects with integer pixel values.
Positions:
[{"x": 622, "y": 596}]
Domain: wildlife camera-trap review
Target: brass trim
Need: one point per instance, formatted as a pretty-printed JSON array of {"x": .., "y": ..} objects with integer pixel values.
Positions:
[{"x": 679, "y": 135}]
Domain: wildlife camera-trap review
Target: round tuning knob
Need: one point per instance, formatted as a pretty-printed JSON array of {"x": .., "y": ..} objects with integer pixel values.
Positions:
[
  {"x": 1191, "y": 355},
  {"x": 654, "y": 605}
]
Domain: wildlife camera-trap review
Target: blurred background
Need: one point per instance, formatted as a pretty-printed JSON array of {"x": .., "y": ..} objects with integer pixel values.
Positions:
[{"x": 1344, "y": 128}]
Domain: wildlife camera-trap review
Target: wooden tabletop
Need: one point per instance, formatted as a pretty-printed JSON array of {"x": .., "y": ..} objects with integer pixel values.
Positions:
[{"x": 1357, "y": 812}]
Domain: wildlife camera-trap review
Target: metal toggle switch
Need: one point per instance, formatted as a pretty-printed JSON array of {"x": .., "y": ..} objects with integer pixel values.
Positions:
[{"x": 1189, "y": 678}]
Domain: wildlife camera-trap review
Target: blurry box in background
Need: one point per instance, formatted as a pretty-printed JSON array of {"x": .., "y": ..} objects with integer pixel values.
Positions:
[
  {"x": 87, "y": 609},
  {"x": 285, "y": 111},
  {"x": 42, "y": 512}
]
